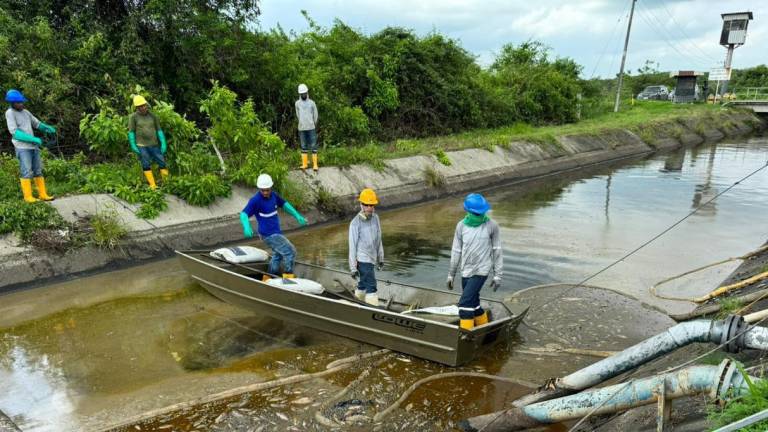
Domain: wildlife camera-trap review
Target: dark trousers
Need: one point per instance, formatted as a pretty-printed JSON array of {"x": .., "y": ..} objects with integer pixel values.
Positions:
[
  {"x": 469, "y": 303},
  {"x": 367, "y": 277},
  {"x": 149, "y": 154}
]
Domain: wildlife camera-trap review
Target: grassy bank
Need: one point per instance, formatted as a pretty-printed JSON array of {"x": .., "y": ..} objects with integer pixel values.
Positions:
[{"x": 633, "y": 117}]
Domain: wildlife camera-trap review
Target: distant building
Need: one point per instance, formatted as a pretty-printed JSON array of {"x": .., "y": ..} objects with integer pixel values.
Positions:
[{"x": 686, "y": 89}]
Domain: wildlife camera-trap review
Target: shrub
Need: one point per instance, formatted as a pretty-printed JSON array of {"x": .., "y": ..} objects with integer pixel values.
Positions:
[
  {"x": 24, "y": 219},
  {"x": 152, "y": 203},
  {"x": 106, "y": 133},
  {"x": 198, "y": 159},
  {"x": 199, "y": 190},
  {"x": 9, "y": 178},
  {"x": 108, "y": 229}
]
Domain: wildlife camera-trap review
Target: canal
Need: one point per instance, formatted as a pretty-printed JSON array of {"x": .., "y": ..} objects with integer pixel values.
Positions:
[{"x": 93, "y": 352}]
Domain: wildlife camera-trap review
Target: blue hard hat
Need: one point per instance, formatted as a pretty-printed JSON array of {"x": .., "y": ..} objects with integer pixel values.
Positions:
[
  {"x": 14, "y": 96},
  {"x": 475, "y": 203}
]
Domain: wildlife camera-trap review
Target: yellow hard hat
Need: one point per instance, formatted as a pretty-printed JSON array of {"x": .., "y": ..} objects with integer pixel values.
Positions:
[
  {"x": 138, "y": 100},
  {"x": 368, "y": 197}
]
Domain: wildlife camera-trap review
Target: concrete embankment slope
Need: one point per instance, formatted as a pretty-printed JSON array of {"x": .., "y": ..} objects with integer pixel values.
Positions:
[{"x": 333, "y": 190}]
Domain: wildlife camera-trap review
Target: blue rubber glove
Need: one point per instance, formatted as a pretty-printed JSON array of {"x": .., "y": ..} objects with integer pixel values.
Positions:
[
  {"x": 132, "y": 140},
  {"x": 46, "y": 128},
  {"x": 247, "y": 230},
  {"x": 163, "y": 143},
  {"x": 292, "y": 211},
  {"x": 20, "y": 135}
]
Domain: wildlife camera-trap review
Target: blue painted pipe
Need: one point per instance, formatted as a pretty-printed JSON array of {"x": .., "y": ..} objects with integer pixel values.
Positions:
[{"x": 716, "y": 381}]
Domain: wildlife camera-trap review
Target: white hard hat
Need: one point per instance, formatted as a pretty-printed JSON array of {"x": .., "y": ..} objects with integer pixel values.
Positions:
[
  {"x": 303, "y": 88},
  {"x": 264, "y": 181}
]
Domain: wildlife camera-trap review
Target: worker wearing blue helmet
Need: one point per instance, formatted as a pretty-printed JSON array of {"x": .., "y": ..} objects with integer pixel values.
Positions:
[
  {"x": 21, "y": 124},
  {"x": 477, "y": 253}
]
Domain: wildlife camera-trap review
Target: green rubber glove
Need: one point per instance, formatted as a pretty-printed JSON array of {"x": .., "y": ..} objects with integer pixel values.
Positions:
[
  {"x": 20, "y": 135},
  {"x": 132, "y": 140},
  {"x": 163, "y": 144},
  {"x": 292, "y": 211},
  {"x": 247, "y": 230},
  {"x": 46, "y": 128}
]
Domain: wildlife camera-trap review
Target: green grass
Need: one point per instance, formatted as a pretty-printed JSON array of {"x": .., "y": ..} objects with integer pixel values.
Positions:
[
  {"x": 108, "y": 228},
  {"x": 728, "y": 306},
  {"x": 753, "y": 402}
]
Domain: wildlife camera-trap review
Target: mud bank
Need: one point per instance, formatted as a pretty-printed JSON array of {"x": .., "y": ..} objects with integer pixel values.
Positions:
[{"x": 402, "y": 182}]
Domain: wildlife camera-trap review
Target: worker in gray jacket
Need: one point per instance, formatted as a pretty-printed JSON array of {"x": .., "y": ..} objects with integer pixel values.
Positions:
[
  {"x": 366, "y": 248},
  {"x": 306, "y": 113},
  {"x": 476, "y": 252},
  {"x": 21, "y": 125}
]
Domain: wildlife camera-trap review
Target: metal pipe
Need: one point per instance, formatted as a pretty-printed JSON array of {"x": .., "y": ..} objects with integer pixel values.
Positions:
[
  {"x": 715, "y": 381},
  {"x": 673, "y": 338}
]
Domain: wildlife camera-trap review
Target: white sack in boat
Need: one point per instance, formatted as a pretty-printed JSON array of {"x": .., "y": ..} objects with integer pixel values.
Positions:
[
  {"x": 296, "y": 284},
  {"x": 451, "y": 310},
  {"x": 241, "y": 254}
]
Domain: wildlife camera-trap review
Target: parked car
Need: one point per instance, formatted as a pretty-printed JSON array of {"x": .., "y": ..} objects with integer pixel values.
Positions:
[{"x": 655, "y": 92}]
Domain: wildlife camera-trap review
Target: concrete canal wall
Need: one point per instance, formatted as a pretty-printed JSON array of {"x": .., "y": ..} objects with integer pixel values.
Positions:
[{"x": 403, "y": 181}]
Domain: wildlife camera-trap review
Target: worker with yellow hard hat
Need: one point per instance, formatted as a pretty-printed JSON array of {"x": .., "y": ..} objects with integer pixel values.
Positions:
[
  {"x": 366, "y": 249},
  {"x": 147, "y": 140}
]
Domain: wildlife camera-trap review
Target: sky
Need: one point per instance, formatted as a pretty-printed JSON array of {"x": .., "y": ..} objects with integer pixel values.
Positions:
[{"x": 675, "y": 34}]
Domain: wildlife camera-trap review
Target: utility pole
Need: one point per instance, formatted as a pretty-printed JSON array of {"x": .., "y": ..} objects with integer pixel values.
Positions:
[{"x": 624, "y": 57}]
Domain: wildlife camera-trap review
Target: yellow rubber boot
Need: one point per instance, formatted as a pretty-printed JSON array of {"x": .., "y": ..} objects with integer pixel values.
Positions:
[
  {"x": 150, "y": 179},
  {"x": 304, "y": 161},
  {"x": 164, "y": 174},
  {"x": 288, "y": 276},
  {"x": 314, "y": 162},
  {"x": 467, "y": 324},
  {"x": 26, "y": 189},
  {"x": 482, "y": 319},
  {"x": 41, "y": 192}
]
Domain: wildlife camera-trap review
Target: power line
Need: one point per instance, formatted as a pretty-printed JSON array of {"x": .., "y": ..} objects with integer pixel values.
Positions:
[
  {"x": 644, "y": 17},
  {"x": 672, "y": 37},
  {"x": 607, "y": 42},
  {"x": 680, "y": 29}
]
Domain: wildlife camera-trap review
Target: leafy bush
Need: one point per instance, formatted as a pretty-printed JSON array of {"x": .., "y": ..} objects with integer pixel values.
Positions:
[
  {"x": 64, "y": 175},
  {"x": 252, "y": 148},
  {"x": 9, "y": 178},
  {"x": 180, "y": 133},
  {"x": 152, "y": 203},
  {"x": 106, "y": 133},
  {"x": 370, "y": 154},
  {"x": 24, "y": 219},
  {"x": 199, "y": 190},
  {"x": 198, "y": 159},
  {"x": 328, "y": 203},
  {"x": 108, "y": 228}
]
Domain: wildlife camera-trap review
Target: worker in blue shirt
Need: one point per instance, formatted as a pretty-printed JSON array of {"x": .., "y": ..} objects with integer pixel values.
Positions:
[{"x": 264, "y": 206}]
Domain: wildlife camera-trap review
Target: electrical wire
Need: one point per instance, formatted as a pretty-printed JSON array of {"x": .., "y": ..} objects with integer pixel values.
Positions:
[
  {"x": 608, "y": 42},
  {"x": 663, "y": 27},
  {"x": 643, "y": 15},
  {"x": 682, "y": 32}
]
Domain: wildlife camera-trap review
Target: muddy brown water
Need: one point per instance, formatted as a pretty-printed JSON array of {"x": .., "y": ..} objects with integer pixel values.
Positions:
[{"x": 93, "y": 352}]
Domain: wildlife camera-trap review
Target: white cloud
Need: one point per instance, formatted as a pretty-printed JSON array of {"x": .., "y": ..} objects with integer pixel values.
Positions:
[{"x": 678, "y": 34}]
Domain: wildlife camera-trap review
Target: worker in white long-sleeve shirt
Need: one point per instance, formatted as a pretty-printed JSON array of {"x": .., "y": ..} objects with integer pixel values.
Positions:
[
  {"x": 476, "y": 252},
  {"x": 366, "y": 248}
]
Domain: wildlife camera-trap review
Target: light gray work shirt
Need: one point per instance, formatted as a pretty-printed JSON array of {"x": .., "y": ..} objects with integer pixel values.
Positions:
[
  {"x": 476, "y": 250},
  {"x": 23, "y": 120},
  {"x": 306, "y": 112},
  {"x": 365, "y": 243}
]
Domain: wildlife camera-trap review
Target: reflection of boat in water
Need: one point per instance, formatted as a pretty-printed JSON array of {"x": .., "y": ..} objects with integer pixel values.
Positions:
[{"x": 393, "y": 324}]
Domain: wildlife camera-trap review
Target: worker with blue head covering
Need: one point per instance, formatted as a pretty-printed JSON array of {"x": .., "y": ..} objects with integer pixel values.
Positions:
[
  {"x": 476, "y": 253},
  {"x": 21, "y": 125}
]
